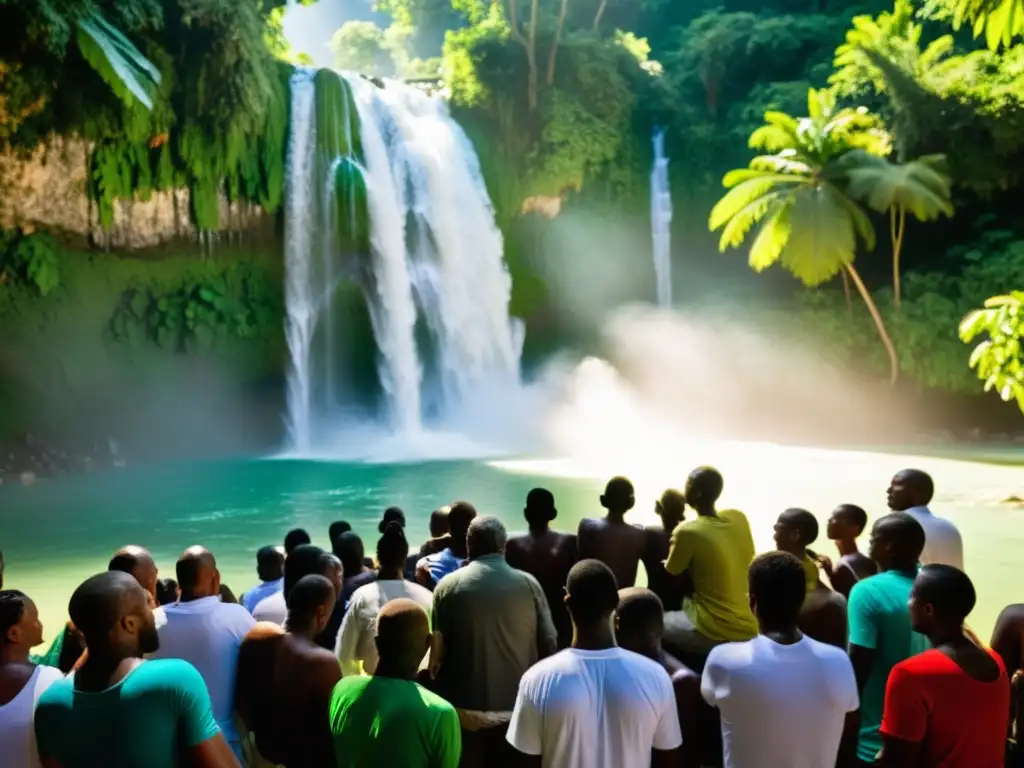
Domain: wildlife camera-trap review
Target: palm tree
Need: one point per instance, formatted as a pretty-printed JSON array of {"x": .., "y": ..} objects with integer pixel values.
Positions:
[
  {"x": 796, "y": 195},
  {"x": 920, "y": 186}
]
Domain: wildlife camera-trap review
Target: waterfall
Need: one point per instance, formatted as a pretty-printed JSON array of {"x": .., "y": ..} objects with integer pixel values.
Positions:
[
  {"x": 385, "y": 189},
  {"x": 661, "y": 222}
]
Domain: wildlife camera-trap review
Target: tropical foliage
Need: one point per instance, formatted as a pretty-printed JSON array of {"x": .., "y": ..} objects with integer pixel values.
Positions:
[{"x": 999, "y": 360}]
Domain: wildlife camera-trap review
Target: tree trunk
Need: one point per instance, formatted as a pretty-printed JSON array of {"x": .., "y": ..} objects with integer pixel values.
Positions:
[
  {"x": 897, "y": 225},
  {"x": 600, "y": 15},
  {"x": 530, "y": 46},
  {"x": 553, "y": 56},
  {"x": 894, "y": 361}
]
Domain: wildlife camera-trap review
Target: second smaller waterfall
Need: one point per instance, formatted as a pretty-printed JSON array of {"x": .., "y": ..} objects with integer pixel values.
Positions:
[{"x": 661, "y": 222}]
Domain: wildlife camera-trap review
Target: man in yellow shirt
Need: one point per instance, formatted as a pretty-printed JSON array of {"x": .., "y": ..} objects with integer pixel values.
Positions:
[{"x": 716, "y": 550}]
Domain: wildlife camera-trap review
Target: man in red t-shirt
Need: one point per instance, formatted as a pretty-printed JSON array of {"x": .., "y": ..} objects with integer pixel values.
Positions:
[{"x": 947, "y": 707}]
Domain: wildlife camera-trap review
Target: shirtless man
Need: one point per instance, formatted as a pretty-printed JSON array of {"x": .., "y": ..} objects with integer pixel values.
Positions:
[
  {"x": 845, "y": 525},
  {"x": 670, "y": 589},
  {"x": 546, "y": 555},
  {"x": 1008, "y": 642},
  {"x": 610, "y": 539},
  {"x": 285, "y": 680},
  {"x": 639, "y": 622}
]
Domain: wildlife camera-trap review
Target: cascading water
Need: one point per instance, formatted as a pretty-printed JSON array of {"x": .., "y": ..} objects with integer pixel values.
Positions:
[
  {"x": 385, "y": 189},
  {"x": 661, "y": 222}
]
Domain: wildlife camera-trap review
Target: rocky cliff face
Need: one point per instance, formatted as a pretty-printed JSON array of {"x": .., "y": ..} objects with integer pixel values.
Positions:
[{"x": 47, "y": 190}]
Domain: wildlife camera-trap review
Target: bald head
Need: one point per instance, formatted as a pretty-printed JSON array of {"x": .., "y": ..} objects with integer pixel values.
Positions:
[
  {"x": 403, "y": 637},
  {"x": 138, "y": 562},
  {"x": 112, "y": 610},
  {"x": 197, "y": 574}
]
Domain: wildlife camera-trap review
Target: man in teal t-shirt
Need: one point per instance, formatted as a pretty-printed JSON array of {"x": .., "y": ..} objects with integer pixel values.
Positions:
[
  {"x": 387, "y": 719},
  {"x": 120, "y": 711},
  {"x": 880, "y": 632}
]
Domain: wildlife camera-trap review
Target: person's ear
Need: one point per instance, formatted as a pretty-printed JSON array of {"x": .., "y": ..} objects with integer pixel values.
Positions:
[{"x": 130, "y": 624}]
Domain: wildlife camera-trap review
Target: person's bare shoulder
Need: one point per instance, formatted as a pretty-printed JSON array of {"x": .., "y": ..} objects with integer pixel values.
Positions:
[{"x": 264, "y": 630}]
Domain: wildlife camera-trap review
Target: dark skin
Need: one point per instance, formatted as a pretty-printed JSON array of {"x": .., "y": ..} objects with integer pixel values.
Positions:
[
  {"x": 298, "y": 677},
  {"x": 1008, "y": 642},
  {"x": 685, "y": 683},
  {"x": 548, "y": 556},
  {"x": 199, "y": 561},
  {"x": 597, "y": 635},
  {"x": 948, "y": 637},
  {"x": 15, "y": 668},
  {"x": 670, "y": 589},
  {"x": 117, "y": 653},
  {"x": 852, "y": 565},
  {"x": 613, "y": 541}
]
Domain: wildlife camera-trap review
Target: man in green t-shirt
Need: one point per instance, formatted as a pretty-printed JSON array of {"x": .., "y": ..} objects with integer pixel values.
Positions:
[
  {"x": 881, "y": 635},
  {"x": 120, "y": 710},
  {"x": 716, "y": 549},
  {"x": 388, "y": 719}
]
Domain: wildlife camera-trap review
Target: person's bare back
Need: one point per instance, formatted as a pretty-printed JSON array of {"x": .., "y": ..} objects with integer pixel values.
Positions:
[
  {"x": 548, "y": 556},
  {"x": 616, "y": 543}
]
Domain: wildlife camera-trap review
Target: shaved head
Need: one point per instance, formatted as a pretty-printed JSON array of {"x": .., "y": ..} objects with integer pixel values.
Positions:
[
  {"x": 403, "y": 635},
  {"x": 197, "y": 574},
  {"x": 138, "y": 562},
  {"x": 112, "y": 610}
]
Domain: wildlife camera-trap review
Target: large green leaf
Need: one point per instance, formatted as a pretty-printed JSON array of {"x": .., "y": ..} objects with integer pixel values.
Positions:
[
  {"x": 920, "y": 186},
  {"x": 1000, "y": 21},
  {"x": 821, "y": 237},
  {"x": 773, "y": 236},
  {"x": 121, "y": 65}
]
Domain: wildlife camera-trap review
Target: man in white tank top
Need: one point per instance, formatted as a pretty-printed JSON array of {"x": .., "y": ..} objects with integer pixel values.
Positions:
[{"x": 21, "y": 682}]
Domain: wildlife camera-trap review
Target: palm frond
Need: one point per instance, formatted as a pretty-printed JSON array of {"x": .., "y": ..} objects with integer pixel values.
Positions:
[
  {"x": 821, "y": 238},
  {"x": 1000, "y": 21},
  {"x": 738, "y": 198},
  {"x": 773, "y": 236},
  {"x": 920, "y": 186},
  {"x": 740, "y": 223},
  {"x": 115, "y": 59}
]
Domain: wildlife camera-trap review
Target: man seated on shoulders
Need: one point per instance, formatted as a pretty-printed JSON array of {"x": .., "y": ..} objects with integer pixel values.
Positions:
[
  {"x": 823, "y": 616},
  {"x": 948, "y": 706},
  {"x": 715, "y": 549},
  {"x": 610, "y": 539}
]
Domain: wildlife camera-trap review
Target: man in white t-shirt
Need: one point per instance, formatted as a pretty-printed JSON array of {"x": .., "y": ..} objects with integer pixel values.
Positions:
[
  {"x": 911, "y": 492},
  {"x": 785, "y": 699},
  {"x": 208, "y": 634},
  {"x": 595, "y": 704}
]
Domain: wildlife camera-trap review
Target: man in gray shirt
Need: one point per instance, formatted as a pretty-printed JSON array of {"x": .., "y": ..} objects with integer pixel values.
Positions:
[{"x": 494, "y": 624}]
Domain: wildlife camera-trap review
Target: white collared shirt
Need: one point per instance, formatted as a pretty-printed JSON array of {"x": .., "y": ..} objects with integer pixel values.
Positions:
[
  {"x": 208, "y": 634},
  {"x": 942, "y": 542}
]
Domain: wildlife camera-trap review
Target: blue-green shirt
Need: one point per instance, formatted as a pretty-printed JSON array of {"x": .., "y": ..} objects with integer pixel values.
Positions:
[
  {"x": 880, "y": 620},
  {"x": 150, "y": 718}
]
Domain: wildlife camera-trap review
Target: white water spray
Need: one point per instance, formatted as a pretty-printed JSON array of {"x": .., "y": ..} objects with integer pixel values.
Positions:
[{"x": 661, "y": 222}]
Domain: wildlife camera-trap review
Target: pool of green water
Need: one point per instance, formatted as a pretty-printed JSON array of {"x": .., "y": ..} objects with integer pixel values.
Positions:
[{"x": 58, "y": 532}]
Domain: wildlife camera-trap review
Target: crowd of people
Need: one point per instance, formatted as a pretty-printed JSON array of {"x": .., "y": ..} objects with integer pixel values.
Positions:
[{"x": 536, "y": 650}]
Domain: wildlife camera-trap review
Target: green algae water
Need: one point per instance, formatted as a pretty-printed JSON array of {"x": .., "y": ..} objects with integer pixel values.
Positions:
[{"x": 58, "y": 532}]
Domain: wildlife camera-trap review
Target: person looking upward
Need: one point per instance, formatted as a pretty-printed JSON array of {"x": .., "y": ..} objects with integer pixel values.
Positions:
[
  {"x": 948, "y": 707},
  {"x": 432, "y": 568},
  {"x": 118, "y": 709},
  {"x": 715, "y": 549},
  {"x": 387, "y": 719},
  {"x": 881, "y": 633},
  {"x": 610, "y": 539},
  {"x": 295, "y": 538},
  {"x": 845, "y": 525},
  {"x": 911, "y": 492},
  {"x": 785, "y": 699},
  {"x": 823, "y": 616},
  {"x": 595, "y": 704},
  {"x": 546, "y": 555},
  {"x": 285, "y": 680},
  {"x": 671, "y": 590},
  {"x": 270, "y": 570},
  {"x": 639, "y": 622},
  {"x": 207, "y": 633},
  {"x": 494, "y": 624},
  {"x": 356, "y": 648},
  {"x": 21, "y": 681}
]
